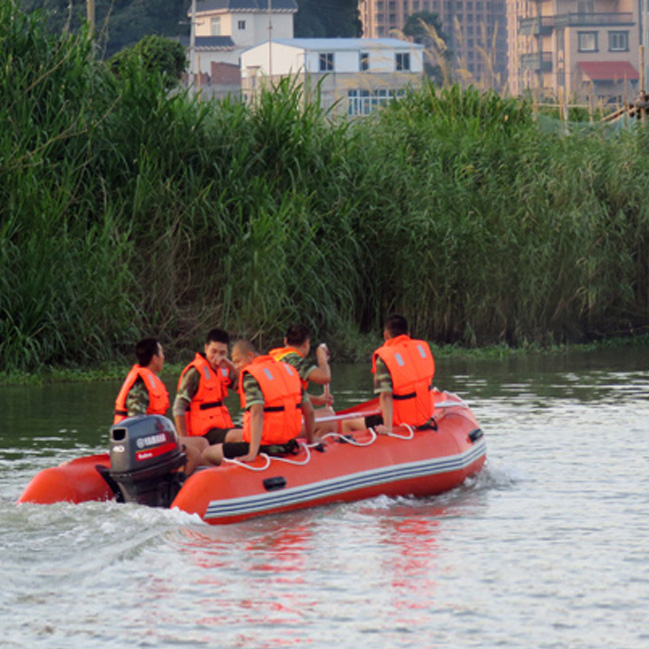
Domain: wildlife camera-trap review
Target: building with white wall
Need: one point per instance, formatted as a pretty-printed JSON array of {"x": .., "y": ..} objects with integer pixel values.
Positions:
[
  {"x": 476, "y": 32},
  {"x": 355, "y": 75},
  {"x": 225, "y": 28}
]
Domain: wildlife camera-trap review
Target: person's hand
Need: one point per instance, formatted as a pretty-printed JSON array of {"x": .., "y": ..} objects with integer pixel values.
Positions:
[
  {"x": 382, "y": 429},
  {"x": 226, "y": 362},
  {"x": 327, "y": 398},
  {"x": 322, "y": 353},
  {"x": 251, "y": 457}
]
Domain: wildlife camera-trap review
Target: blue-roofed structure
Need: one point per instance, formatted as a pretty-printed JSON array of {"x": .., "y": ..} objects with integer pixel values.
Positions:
[{"x": 246, "y": 6}]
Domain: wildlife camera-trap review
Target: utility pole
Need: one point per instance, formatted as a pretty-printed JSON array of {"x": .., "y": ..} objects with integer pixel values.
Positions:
[
  {"x": 192, "y": 44},
  {"x": 270, "y": 41},
  {"x": 90, "y": 12}
]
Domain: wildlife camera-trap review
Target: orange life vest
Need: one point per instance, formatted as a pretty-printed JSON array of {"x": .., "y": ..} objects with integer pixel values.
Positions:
[
  {"x": 158, "y": 395},
  {"x": 412, "y": 367},
  {"x": 207, "y": 409},
  {"x": 280, "y": 353},
  {"x": 282, "y": 390}
]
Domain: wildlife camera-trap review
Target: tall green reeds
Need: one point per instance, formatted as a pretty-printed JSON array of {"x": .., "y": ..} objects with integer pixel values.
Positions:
[{"x": 127, "y": 210}]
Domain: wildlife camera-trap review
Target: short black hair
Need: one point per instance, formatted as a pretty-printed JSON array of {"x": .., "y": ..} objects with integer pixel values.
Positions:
[
  {"x": 145, "y": 350},
  {"x": 297, "y": 334},
  {"x": 217, "y": 336},
  {"x": 396, "y": 325}
]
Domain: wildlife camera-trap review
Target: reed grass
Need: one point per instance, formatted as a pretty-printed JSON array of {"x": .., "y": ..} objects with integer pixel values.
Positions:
[{"x": 126, "y": 211}]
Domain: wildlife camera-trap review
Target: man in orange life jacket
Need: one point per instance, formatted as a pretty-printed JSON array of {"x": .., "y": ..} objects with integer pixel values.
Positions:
[
  {"x": 199, "y": 408},
  {"x": 403, "y": 370},
  {"x": 143, "y": 393},
  {"x": 273, "y": 400},
  {"x": 297, "y": 344}
]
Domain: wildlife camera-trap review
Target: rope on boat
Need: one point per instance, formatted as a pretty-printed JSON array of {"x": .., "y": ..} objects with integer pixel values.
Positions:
[
  {"x": 304, "y": 462},
  {"x": 344, "y": 438},
  {"x": 410, "y": 435},
  {"x": 351, "y": 440},
  {"x": 245, "y": 465}
]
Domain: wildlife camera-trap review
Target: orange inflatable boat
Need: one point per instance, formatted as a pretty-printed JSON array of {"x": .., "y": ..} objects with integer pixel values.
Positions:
[{"x": 144, "y": 459}]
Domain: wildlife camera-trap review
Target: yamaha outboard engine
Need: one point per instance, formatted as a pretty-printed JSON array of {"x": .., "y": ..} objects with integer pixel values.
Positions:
[{"x": 144, "y": 458}]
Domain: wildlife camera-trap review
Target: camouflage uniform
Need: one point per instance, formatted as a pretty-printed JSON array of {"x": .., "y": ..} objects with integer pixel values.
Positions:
[{"x": 137, "y": 399}]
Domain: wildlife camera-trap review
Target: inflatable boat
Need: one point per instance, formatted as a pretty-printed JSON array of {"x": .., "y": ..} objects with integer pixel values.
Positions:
[{"x": 145, "y": 457}]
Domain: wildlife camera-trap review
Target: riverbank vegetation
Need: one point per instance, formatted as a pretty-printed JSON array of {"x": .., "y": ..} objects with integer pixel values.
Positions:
[{"x": 126, "y": 211}]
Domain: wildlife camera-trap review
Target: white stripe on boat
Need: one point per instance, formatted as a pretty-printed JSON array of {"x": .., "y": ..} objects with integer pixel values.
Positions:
[{"x": 343, "y": 484}]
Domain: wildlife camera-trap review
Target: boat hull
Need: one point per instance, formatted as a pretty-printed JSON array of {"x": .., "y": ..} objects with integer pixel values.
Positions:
[
  {"x": 429, "y": 463},
  {"x": 341, "y": 469}
]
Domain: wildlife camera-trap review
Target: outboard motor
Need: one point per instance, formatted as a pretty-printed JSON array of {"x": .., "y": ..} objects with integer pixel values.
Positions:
[{"x": 144, "y": 458}]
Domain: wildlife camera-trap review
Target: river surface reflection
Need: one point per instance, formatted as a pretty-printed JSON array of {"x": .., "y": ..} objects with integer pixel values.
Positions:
[{"x": 545, "y": 548}]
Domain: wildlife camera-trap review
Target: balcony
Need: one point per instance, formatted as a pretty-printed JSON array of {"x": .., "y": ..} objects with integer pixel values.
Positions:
[
  {"x": 543, "y": 25},
  {"x": 534, "y": 26},
  {"x": 537, "y": 62},
  {"x": 592, "y": 20}
]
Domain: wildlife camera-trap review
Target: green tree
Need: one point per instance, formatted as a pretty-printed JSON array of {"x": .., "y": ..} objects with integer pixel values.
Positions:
[
  {"x": 119, "y": 23},
  {"x": 158, "y": 54},
  {"x": 331, "y": 19},
  {"x": 425, "y": 28}
]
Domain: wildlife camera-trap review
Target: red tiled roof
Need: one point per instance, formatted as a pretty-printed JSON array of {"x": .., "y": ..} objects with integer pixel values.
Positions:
[{"x": 609, "y": 70}]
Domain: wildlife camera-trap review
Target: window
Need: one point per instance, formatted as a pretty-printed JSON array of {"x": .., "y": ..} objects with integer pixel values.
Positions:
[
  {"x": 215, "y": 26},
  {"x": 618, "y": 41},
  {"x": 363, "y": 102},
  {"x": 241, "y": 25},
  {"x": 364, "y": 61},
  {"x": 326, "y": 61},
  {"x": 586, "y": 7},
  {"x": 587, "y": 41},
  {"x": 402, "y": 60}
]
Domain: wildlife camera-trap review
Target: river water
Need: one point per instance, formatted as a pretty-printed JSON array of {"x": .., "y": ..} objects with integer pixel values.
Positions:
[{"x": 547, "y": 548}]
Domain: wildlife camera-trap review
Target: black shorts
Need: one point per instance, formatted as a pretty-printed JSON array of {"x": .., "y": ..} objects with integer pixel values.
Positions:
[
  {"x": 232, "y": 450},
  {"x": 373, "y": 420},
  {"x": 216, "y": 435}
]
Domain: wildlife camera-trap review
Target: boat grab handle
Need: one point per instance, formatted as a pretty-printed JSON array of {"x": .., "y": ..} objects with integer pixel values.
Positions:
[
  {"x": 350, "y": 440},
  {"x": 245, "y": 465},
  {"x": 268, "y": 459},
  {"x": 410, "y": 435}
]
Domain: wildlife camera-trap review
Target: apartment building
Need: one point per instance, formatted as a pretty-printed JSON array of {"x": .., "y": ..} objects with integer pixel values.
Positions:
[
  {"x": 476, "y": 31},
  {"x": 574, "y": 49}
]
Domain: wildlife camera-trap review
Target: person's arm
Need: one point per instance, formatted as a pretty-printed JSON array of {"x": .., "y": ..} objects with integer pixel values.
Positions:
[
  {"x": 309, "y": 418},
  {"x": 256, "y": 427},
  {"x": 324, "y": 399},
  {"x": 137, "y": 399},
  {"x": 186, "y": 392},
  {"x": 234, "y": 372},
  {"x": 383, "y": 387},
  {"x": 321, "y": 374},
  {"x": 385, "y": 403}
]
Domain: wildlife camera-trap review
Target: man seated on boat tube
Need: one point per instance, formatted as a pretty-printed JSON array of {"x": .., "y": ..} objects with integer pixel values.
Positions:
[
  {"x": 273, "y": 400},
  {"x": 144, "y": 393},
  {"x": 199, "y": 407},
  {"x": 403, "y": 370},
  {"x": 297, "y": 344}
]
